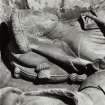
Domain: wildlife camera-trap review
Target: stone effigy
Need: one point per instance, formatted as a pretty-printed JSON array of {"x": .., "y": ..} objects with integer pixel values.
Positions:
[
  {"x": 92, "y": 89},
  {"x": 36, "y": 33},
  {"x": 84, "y": 45},
  {"x": 25, "y": 34}
]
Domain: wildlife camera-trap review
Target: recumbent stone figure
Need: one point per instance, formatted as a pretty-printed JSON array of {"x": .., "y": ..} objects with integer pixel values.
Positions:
[{"x": 37, "y": 33}]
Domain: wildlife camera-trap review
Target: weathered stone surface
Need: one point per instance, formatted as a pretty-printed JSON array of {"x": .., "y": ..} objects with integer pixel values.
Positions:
[
  {"x": 5, "y": 75},
  {"x": 29, "y": 24}
]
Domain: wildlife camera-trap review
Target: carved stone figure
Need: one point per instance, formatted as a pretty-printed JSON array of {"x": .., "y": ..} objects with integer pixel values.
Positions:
[
  {"x": 30, "y": 27},
  {"x": 35, "y": 34}
]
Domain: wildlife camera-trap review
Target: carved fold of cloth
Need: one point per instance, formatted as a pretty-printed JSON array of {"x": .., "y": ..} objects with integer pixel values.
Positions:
[
  {"x": 12, "y": 96},
  {"x": 91, "y": 91},
  {"x": 42, "y": 42}
]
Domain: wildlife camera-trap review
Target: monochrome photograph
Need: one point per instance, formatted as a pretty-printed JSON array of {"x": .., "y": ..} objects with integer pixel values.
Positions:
[{"x": 52, "y": 52}]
